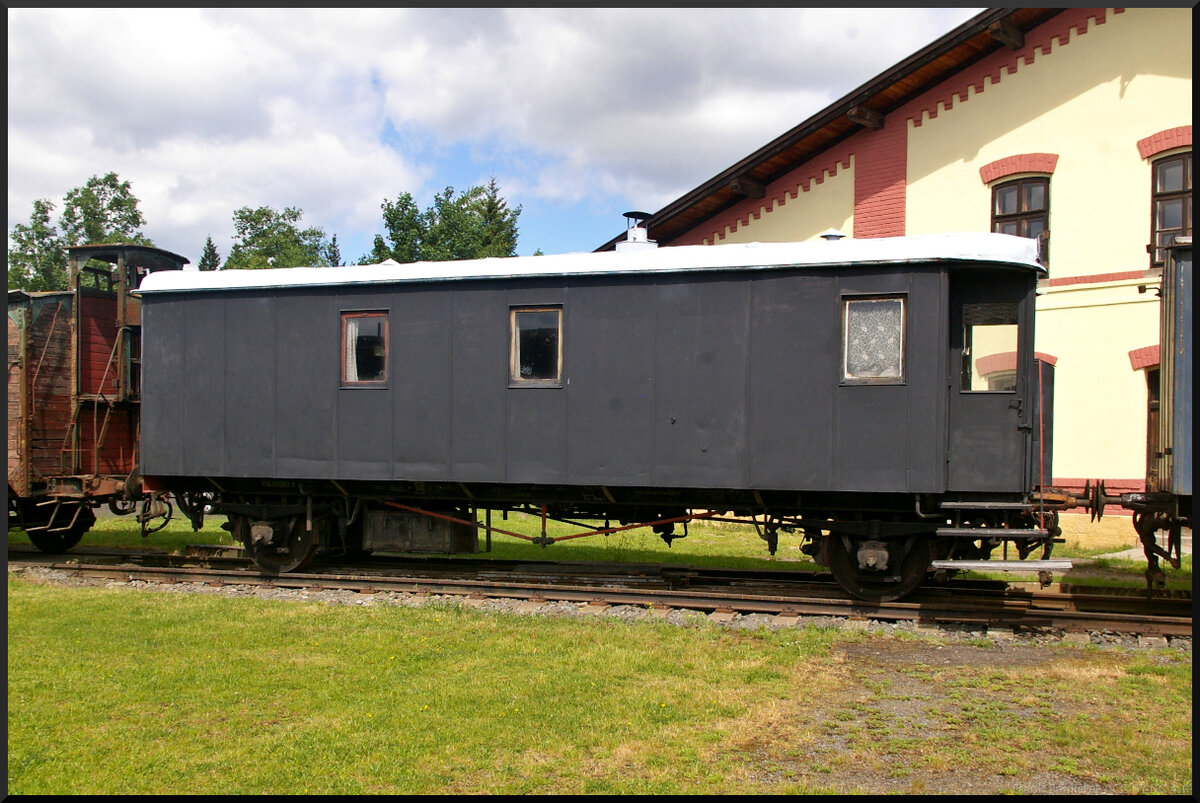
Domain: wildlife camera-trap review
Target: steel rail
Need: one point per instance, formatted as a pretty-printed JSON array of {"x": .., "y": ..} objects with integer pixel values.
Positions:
[{"x": 1011, "y": 611}]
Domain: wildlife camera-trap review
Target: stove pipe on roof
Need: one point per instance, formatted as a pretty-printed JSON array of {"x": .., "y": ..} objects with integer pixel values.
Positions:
[{"x": 637, "y": 237}]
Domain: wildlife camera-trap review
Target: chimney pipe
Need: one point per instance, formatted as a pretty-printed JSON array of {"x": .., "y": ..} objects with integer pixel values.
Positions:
[{"x": 637, "y": 237}]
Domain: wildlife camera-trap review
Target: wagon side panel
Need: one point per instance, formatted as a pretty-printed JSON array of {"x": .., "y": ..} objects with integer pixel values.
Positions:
[
  {"x": 609, "y": 336},
  {"x": 203, "y": 349},
  {"x": 420, "y": 387},
  {"x": 793, "y": 356},
  {"x": 479, "y": 334},
  {"x": 166, "y": 384},
  {"x": 363, "y": 410},
  {"x": 535, "y": 416},
  {"x": 1175, "y": 422},
  {"x": 928, "y": 354},
  {"x": 872, "y": 415},
  {"x": 99, "y": 366},
  {"x": 52, "y": 445},
  {"x": 249, "y": 379},
  {"x": 107, "y": 421},
  {"x": 306, "y": 355},
  {"x": 18, "y": 314},
  {"x": 701, "y": 371}
]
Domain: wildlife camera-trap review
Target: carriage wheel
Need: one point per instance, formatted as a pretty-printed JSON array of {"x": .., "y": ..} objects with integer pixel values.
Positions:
[
  {"x": 295, "y": 553},
  {"x": 56, "y": 540},
  {"x": 910, "y": 570}
]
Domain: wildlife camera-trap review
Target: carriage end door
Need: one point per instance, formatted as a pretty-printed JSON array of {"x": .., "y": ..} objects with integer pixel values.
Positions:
[{"x": 989, "y": 409}]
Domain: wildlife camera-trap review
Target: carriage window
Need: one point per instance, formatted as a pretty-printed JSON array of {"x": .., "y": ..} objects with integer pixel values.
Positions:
[
  {"x": 873, "y": 340},
  {"x": 989, "y": 355},
  {"x": 536, "y": 350},
  {"x": 364, "y": 348}
]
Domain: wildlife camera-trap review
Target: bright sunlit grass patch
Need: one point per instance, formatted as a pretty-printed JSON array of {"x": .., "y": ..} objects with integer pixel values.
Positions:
[
  {"x": 136, "y": 692},
  {"x": 112, "y": 691}
]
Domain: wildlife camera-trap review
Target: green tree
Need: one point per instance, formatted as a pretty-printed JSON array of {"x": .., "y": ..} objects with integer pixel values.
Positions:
[
  {"x": 477, "y": 223},
  {"x": 498, "y": 222},
  {"x": 37, "y": 259},
  {"x": 267, "y": 238},
  {"x": 104, "y": 210},
  {"x": 333, "y": 253},
  {"x": 210, "y": 259},
  {"x": 405, "y": 231}
]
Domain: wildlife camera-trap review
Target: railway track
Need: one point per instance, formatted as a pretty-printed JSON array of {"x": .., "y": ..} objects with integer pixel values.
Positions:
[{"x": 781, "y": 593}]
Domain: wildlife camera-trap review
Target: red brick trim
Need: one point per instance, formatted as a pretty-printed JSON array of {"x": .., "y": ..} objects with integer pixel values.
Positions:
[
  {"x": 1049, "y": 359},
  {"x": 1098, "y": 278},
  {"x": 802, "y": 179},
  {"x": 1165, "y": 140},
  {"x": 1021, "y": 163},
  {"x": 990, "y": 364},
  {"x": 1007, "y": 361},
  {"x": 1146, "y": 357},
  {"x": 881, "y": 181}
]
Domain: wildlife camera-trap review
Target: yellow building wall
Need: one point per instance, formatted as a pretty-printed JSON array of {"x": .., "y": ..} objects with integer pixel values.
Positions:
[
  {"x": 825, "y": 205},
  {"x": 1089, "y": 101},
  {"x": 1099, "y": 400}
]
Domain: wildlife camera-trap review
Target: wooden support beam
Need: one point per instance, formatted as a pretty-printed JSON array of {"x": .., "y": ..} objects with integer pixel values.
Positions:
[
  {"x": 868, "y": 118},
  {"x": 744, "y": 185},
  {"x": 1007, "y": 34}
]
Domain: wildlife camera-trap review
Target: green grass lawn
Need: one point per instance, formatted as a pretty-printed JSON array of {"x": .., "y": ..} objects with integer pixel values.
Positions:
[{"x": 120, "y": 691}]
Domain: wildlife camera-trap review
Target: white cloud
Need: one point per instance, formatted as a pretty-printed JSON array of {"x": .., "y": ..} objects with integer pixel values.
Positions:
[{"x": 205, "y": 111}]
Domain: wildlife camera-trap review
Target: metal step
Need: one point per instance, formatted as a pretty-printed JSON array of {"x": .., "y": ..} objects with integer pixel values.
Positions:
[
  {"x": 1052, "y": 565},
  {"x": 990, "y": 532},
  {"x": 986, "y": 506}
]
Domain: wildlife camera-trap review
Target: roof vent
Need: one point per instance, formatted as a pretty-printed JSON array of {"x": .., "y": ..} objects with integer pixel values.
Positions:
[
  {"x": 831, "y": 235},
  {"x": 637, "y": 237}
]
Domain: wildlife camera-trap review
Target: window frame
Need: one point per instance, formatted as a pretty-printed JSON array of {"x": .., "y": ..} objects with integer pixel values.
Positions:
[
  {"x": 515, "y": 380},
  {"x": 1157, "y": 251},
  {"x": 1023, "y": 215},
  {"x": 844, "y": 378},
  {"x": 382, "y": 380},
  {"x": 969, "y": 362}
]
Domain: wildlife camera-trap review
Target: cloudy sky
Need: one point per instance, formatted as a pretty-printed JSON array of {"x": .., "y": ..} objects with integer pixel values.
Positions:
[{"x": 580, "y": 115}]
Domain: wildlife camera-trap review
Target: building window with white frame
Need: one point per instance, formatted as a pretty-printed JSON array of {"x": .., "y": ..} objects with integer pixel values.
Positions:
[
  {"x": 1171, "y": 205},
  {"x": 1022, "y": 208}
]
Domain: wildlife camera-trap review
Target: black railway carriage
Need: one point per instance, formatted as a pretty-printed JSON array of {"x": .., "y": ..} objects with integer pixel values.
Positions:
[{"x": 879, "y": 395}]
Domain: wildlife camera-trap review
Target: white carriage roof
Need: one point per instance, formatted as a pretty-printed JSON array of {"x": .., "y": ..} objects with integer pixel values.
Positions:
[{"x": 999, "y": 249}]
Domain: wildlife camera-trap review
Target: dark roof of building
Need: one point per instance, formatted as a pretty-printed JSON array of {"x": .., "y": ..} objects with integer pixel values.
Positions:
[{"x": 965, "y": 45}]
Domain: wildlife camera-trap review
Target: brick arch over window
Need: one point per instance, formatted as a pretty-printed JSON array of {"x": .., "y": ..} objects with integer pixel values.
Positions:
[
  {"x": 1007, "y": 361},
  {"x": 1021, "y": 163},
  {"x": 1165, "y": 140},
  {"x": 1145, "y": 357}
]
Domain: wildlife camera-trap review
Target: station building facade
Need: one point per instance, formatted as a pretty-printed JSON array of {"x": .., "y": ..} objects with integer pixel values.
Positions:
[{"x": 1069, "y": 125}]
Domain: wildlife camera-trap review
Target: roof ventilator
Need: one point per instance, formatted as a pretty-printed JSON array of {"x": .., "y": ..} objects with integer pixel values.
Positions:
[{"x": 637, "y": 237}]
